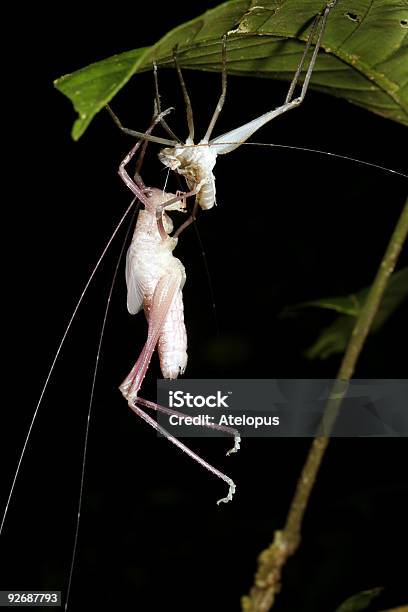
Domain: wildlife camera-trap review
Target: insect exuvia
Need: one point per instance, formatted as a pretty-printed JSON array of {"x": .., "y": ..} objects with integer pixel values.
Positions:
[{"x": 195, "y": 162}]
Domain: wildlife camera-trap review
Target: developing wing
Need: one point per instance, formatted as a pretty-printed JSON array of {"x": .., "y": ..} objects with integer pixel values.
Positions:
[{"x": 134, "y": 288}]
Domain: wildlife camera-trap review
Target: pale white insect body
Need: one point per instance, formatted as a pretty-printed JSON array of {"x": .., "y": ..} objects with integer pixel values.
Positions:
[
  {"x": 155, "y": 279},
  {"x": 196, "y": 164},
  {"x": 149, "y": 259}
]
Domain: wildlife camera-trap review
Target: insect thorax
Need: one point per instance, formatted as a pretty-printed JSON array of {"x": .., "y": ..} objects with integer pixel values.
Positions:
[{"x": 195, "y": 163}]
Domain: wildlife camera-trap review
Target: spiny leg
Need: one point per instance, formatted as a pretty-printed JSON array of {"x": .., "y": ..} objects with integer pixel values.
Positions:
[
  {"x": 188, "y": 452},
  {"x": 158, "y": 104},
  {"x": 229, "y": 430},
  {"x": 137, "y": 178},
  {"x": 221, "y": 100},
  {"x": 130, "y": 183},
  {"x": 143, "y": 135},
  {"x": 136, "y": 186},
  {"x": 187, "y": 101},
  {"x": 322, "y": 19}
]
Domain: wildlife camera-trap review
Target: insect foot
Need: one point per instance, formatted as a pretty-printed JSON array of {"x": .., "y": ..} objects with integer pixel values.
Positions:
[
  {"x": 237, "y": 444},
  {"x": 125, "y": 391},
  {"x": 231, "y": 492},
  {"x": 124, "y": 388}
]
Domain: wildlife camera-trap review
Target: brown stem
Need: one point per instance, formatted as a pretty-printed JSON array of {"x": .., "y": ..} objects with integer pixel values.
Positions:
[{"x": 271, "y": 561}]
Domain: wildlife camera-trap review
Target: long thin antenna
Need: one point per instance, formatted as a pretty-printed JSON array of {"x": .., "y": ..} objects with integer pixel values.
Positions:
[
  {"x": 284, "y": 146},
  {"x": 328, "y": 153},
  {"x": 90, "y": 405},
  {"x": 57, "y": 354},
  {"x": 208, "y": 275}
]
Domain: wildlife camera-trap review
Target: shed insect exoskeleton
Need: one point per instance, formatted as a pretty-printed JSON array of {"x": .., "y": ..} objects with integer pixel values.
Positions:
[{"x": 196, "y": 161}]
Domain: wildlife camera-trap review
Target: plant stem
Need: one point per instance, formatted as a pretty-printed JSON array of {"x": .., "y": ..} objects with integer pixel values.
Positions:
[{"x": 286, "y": 541}]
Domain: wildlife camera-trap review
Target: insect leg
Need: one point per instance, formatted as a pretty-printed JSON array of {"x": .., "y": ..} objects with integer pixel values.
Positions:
[
  {"x": 145, "y": 136},
  {"x": 165, "y": 410},
  {"x": 302, "y": 60},
  {"x": 137, "y": 178},
  {"x": 187, "y": 101},
  {"x": 188, "y": 451},
  {"x": 163, "y": 297},
  {"x": 182, "y": 195},
  {"x": 130, "y": 183},
  {"x": 233, "y": 139},
  {"x": 188, "y": 221},
  {"x": 158, "y": 105},
  {"x": 321, "y": 20},
  {"x": 221, "y": 101}
]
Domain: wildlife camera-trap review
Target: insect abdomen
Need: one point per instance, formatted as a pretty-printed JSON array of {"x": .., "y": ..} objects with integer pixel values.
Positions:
[
  {"x": 172, "y": 345},
  {"x": 206, "y": 196}
]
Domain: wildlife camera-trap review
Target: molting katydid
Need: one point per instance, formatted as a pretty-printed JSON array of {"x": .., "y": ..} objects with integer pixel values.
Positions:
[{"x": 155, "y": 279}]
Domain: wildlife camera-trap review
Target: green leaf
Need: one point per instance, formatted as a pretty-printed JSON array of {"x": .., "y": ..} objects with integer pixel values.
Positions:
[
  {"x": 363, "y": 56},
  {"x": 359, "y": 602},
  {"x": 91, "y": 88},
  {"x": 334, "y": 338}
]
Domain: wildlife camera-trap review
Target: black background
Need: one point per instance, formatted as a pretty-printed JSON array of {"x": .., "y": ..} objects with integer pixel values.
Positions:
[{"x": 289, "y": 226}]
